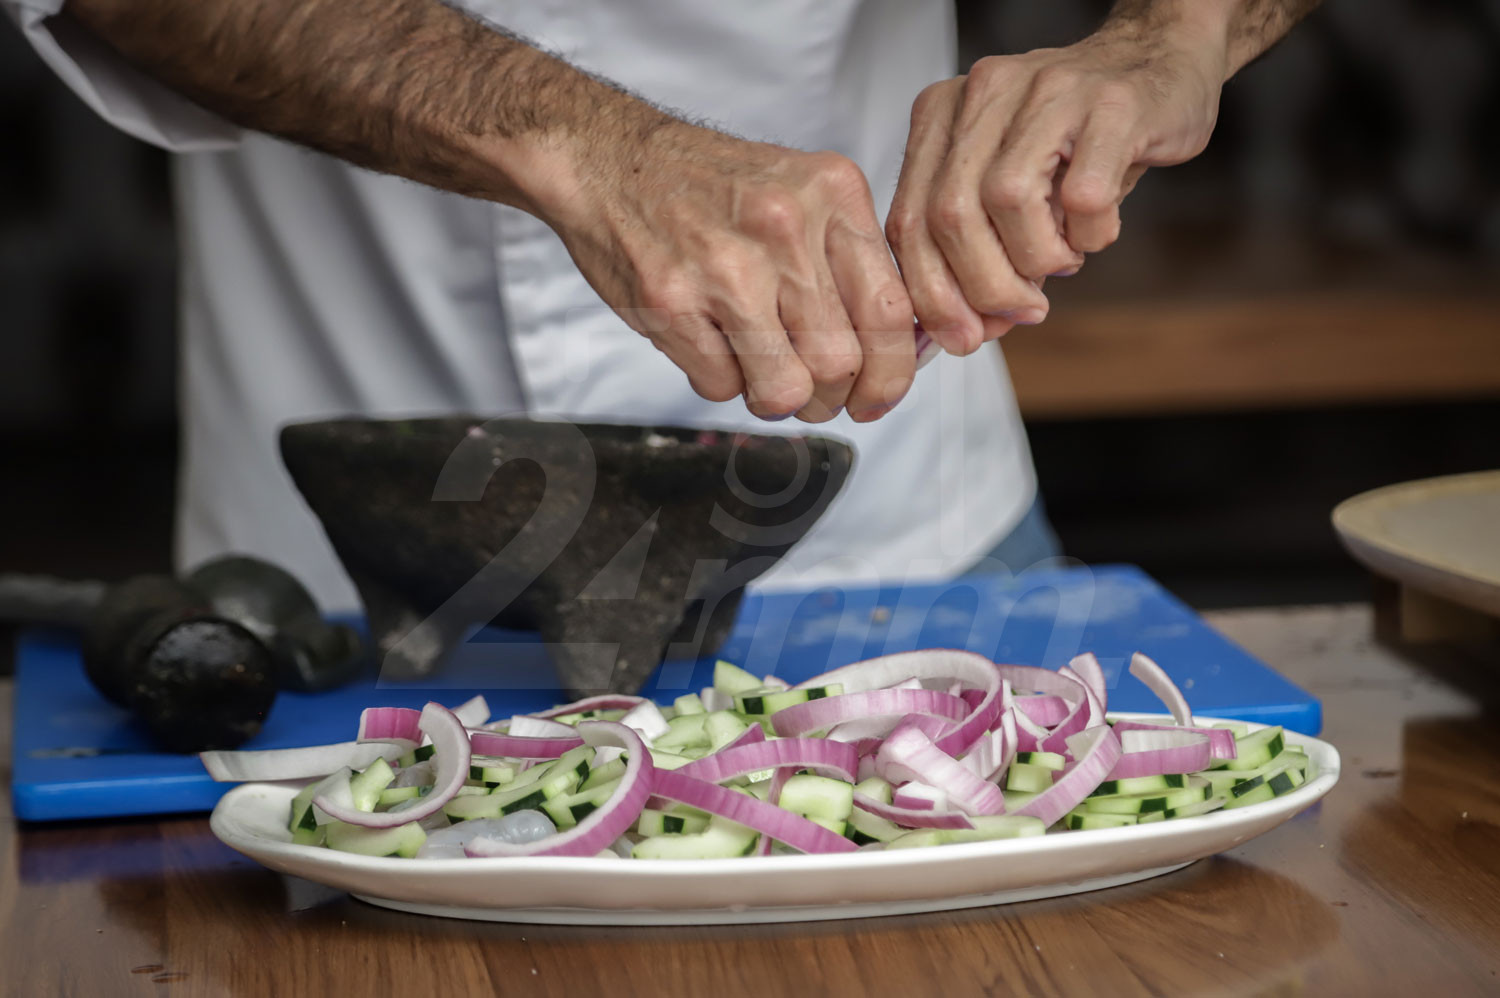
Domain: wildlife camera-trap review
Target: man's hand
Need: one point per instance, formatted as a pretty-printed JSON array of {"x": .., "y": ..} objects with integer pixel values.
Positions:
[
  {"x": 1017, "y": 170},
  {"x": 758, "y": 270}
]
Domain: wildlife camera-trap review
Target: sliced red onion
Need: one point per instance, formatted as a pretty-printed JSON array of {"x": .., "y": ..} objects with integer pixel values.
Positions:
[
  {"x": 1045, "y": 709},
  {"x": 297, "y": 763},
  {"x": 826, "y": 712},
  {"x": 987, "y": 756},
  {"x": 521, "y": 747},
  {"x": 647, "y": 720},
  {"x": 919, "y": 797},
  {"x": 750, "y": 736},
  {"x": 1085, "y": 714},
  {"x": 768, "y": 819},
  {"x": 609, "y": 820},
  {"x": 773, "y": 796},
  {"x": 1155, "y": 677},
  {"x": 1092, "y": 673},
  {"x": 607, "y": 701},
  {"x": 451, "y": 761},
  {"x": 1096, "y": 750},
  {"x": 1220, "y": 740},
  {"x": 910, "y": 755},
  {"x": 388, "y": 724},
  {"x": 1029, "y": 734},
  {"x": 839, "y": 759},
  {"x": 606, "y": 754},
  {"x": 908, "y": 818},
  {"x": 1151, "y": 753},
  {"x": 473, "y": 712},
  {"x": 527, "y": 726},
  {"x": 866, "y": 766}
]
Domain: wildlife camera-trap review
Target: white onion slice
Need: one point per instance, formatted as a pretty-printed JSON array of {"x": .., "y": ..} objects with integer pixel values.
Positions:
[
  {"x": 910, "y": 755},
  {"x": 1155, "y": 677},
  {"x": 266, "y": 765}
]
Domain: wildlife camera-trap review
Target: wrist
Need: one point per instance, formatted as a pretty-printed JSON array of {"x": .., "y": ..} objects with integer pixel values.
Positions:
[{"x": 1197, "y": 29}]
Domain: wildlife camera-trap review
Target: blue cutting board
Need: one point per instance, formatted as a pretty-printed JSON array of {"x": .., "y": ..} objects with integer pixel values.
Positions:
[{"x": 77, "y": 756}]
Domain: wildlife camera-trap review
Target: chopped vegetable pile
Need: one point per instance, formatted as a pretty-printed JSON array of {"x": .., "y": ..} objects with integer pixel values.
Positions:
[{"x": 914, "y": 749}]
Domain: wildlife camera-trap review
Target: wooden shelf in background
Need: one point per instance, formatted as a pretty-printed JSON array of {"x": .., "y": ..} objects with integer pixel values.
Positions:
[{"x": 1137, "y": 358}]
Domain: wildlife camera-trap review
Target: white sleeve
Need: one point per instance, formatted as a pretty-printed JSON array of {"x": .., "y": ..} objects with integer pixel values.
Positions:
[{"x": 122, "y": 95}]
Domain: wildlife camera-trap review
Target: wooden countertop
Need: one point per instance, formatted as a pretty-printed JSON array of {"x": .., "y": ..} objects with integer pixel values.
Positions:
[{"x": 1391, "y": 885}]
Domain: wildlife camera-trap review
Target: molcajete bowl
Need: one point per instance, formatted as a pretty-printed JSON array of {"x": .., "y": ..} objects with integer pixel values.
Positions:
[{"x": 620, "y": 545}]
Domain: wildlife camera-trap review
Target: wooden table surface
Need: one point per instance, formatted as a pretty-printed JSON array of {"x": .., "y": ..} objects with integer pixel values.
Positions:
[{"x": 1391, "y": 885}]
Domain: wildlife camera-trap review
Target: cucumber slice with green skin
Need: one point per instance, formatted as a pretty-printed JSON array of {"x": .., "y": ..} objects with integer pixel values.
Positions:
[
  {"x": 653, "y": 822},
  {"x": 669, "y": 760},
  {"x": 313, "y": 836},
  {"x": 1259, "y": 795},
  {"x": 760, "y": 789},
  {"x": 1193, "y": 810},
  {"x": 731, "y": 679},
  {"x": 1047, "y": 760},
  {"x": 588, "y": 715},
  {"x": 834, "y": 826},
  {"x": 1239, "y": 728},
  {"x": 570, "y": 809},
  {"x": 1028, "y": 778},
  {"x": 689, "y": 703},
  {"x": 986, "y": 828},
  {"x": 472, "y": 790},
  {"x": 407, "y": 759},
  {"x": 1016, "y": 798},
  {"x": 1281, "y": 779},
  {"x": 865, "y": 828},
  {"x": 1256, "y": 749},
  {"x": 422, "y": 753},
  {"x": 767, "y": 700},
  {"x": 600, "y": 775},
  {"x": 403, "y": 840},
  {"x": 302, "y": 813},
  {"x": 1223, "y": 780},
  {"x": 565, "y": 774},
  {"x": 1140, "y": 785},
  {"x": 491, "y": 770},
  {"x": 1083, "y": 821},
  {"x": 721, "y": 839},
  {"x": 365, "y": 786},
  {"x": 683, "y": 733},
  {"x": 875, "y": 788},
  {"x": 818, "y": 797},
  {"x": 1158, "y": 800},
  {"x": 464, "y": 808},
  {"x": 723, "y": 727},
  {"x": 395, "y": 795}
]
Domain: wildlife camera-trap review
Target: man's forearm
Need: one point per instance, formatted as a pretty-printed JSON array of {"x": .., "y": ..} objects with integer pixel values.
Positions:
[
  {"x": 1246, "y": 28},
  {"x": 410, "y": 87}
]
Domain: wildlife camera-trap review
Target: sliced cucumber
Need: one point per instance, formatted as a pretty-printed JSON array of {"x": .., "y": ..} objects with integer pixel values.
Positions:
[
  {"x": 422, "y": 753},
  {"x": 403, "y": 840},
  {"x": 491, "y": 770},
  {"x": 669, "y": 760},
  {"x": 1028, "y": 778},
  {"x": 721, "y": 839},
  {"x": 395, "y": 795},
  {"x": 653, "y": 822},
  {"x": 607, "y": 773},
  {"x": 1083, "y": 821},
  {"x": 865, "y": 828},
  {"x": 682, "y": 733},
  {"x": 818, "y": 797},
  {"x": 1193, "y": 810},
  {"x": 689, "y": 703},
  {"x": 1256, "y": 749},
  {"x": 1047, "y": 760},
  {"x": 570, "y": 809},
  {"x": 767, "y": 700},
  {"x": 1140, "y": 784},
  {"x": 731, "y": 679},
  {"x": 875, "y": 788},
  {"x": 365, "y": 786},
  {"x": 723, "y": 727},
  {"x": 997, "y": 826},
  {"x": 464, "y": 808},
  {"x": 1197, "y": 789}
]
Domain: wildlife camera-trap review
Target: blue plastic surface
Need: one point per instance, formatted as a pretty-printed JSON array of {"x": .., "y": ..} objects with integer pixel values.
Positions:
[{"x": 77, "y": 756}]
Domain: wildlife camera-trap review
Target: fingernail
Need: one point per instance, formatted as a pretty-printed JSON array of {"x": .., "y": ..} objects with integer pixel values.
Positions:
[
  {"x": 1066, "y": 273},
  {"x": 874, "y": 411},
  {"x": 769, "y": 418},
  {"x": 1026, "y": 316},
  {"x": 835, "y": 413}
]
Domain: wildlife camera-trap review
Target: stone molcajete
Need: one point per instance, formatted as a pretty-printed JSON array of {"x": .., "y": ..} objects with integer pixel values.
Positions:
[{"x": 621, "y": 545}]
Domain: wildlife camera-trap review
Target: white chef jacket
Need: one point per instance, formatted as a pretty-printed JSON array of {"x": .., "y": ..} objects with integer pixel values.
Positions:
[{"x": 312, "y": 288}]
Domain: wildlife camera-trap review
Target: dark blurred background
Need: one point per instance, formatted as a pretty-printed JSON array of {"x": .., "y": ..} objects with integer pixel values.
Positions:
[{"x": 1308, "y": 310}]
